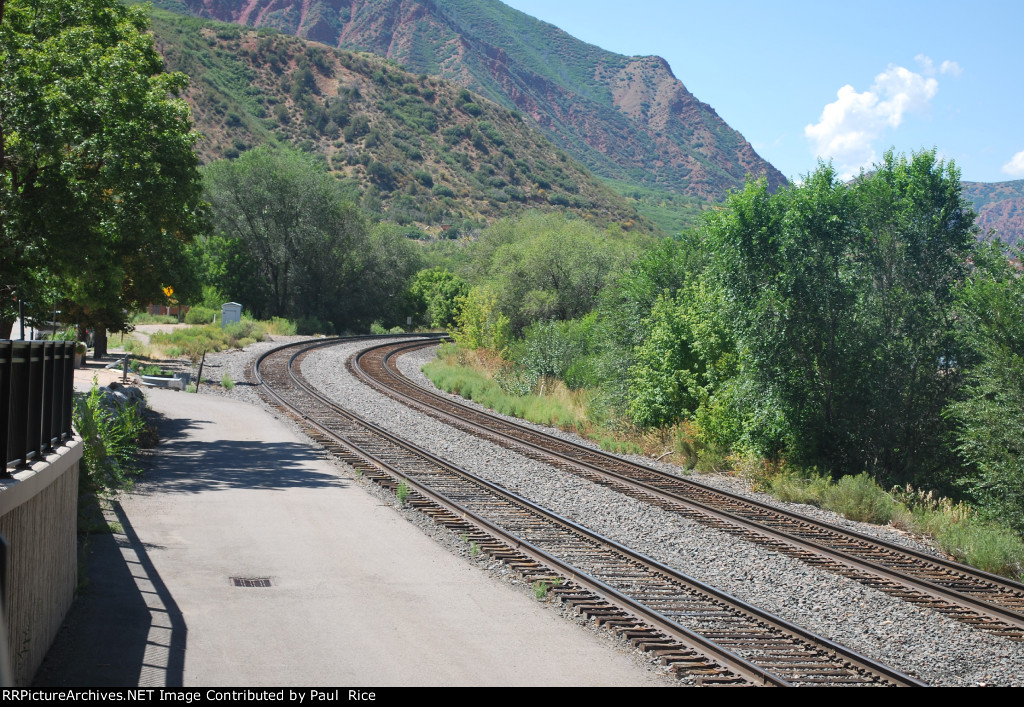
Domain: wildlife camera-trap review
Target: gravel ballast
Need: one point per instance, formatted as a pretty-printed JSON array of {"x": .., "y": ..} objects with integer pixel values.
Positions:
[{"x": 916, "y": 641}]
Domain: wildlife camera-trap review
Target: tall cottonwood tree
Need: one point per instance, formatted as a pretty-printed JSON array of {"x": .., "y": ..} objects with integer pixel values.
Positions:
[
  {"x": 843, "y": 310},
  {"x": 990, "y": 416},
  {"x": 99, "y": 188},
  {"x": 304, "y": 251}
]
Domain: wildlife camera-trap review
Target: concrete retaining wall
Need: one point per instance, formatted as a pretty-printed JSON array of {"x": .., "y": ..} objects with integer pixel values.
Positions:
[{"x": 38, "y": 517}]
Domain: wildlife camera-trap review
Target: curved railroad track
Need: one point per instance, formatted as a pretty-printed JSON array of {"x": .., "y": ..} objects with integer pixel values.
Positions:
[
  {"x": 705, "y": 635},
  {"x": 977, "y": 598}
]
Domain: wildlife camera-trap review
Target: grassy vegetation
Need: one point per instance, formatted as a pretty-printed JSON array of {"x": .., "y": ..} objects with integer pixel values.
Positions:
[
  {"x": 147, "y": 318},
  {"x": 485, "y": 378},
  {"x": 192, "y": 342},
  {"x": 471, "y": 374},
  {"x": 955, "y": 527}
]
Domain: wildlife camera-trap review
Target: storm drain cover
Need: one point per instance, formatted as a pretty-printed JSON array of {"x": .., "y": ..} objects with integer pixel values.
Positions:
[{"x": 250, "y": 581}]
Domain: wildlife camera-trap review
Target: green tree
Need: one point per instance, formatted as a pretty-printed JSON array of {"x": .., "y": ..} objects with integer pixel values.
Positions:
[
  {"x": 380, "y": 291},
  {"x": 99, "y": 189},
  {"x": 684, "y": 358},
  {"x": 990, "y": 416},
  {"x": 786, "y": 261},
  {"x": 842, "y": 301},
  {"x": 662, "y": 269},
  {"x": 286, "y": 216},
  {"x": 284, "y": 222},
  {"x": 544, "y": 266},
  {"x": 436, "y": 293},
  {"x": 480, "y": 324},
  {"x": 918, "y": 239}
]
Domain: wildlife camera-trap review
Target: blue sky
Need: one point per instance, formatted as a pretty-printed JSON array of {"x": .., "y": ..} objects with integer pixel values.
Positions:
[{"x": 840, "y": 81}]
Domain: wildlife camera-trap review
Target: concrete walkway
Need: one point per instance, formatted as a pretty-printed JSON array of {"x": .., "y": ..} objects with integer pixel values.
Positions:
[{"x": 358, "y": 595}]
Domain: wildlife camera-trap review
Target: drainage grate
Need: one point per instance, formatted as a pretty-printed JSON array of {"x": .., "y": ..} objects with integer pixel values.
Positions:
[{"x": 250, "y": 581}]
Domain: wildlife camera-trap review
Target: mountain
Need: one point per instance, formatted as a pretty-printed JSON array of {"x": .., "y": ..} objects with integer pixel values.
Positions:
[
  {"x": 1000, "y": 207},
  {"x": 628, "y": 119},
  {"x": 420, "y": 149}
]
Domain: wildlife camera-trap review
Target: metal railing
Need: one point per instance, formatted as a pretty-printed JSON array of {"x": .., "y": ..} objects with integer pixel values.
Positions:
[{"x": 36, "y": 398}]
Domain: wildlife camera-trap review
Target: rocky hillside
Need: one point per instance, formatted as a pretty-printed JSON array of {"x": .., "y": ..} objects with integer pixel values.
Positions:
[
  {"x": 419, "y": 149},
  {"x": 626, "y": 118},
  {"x": 1000, "y": 207}
]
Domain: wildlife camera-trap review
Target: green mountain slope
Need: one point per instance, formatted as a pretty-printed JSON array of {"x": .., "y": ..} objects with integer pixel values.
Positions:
[
  {"x": 420, "y": 149},
  {"x": 626, "y": 118}
]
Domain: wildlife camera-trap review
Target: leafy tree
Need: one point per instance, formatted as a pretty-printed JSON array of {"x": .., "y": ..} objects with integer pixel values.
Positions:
[
  {"x": 279, "y": 211},
  {"x": 660, "y": 270},
  {"x": 283, "y": 223},
  {"x": 918, "y": 238},
  {"x": 990, "y": 417},
  {"x": 99, "y": 190},
  {"x": 379, "y": 291},
  {"x": 436, "y": 293},
  {"x": 480, "y": 324},
  {"x": 786, "y": 266},
  {"x": 544, "y": 267},
  {"x": 842, "y": 302},
  {"x": 665, "y": 379},
  {"x": 685, "y": 357}
]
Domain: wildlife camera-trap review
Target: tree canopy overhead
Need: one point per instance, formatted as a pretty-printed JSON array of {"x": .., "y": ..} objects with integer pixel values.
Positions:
[{"x": 99, "y": 188}]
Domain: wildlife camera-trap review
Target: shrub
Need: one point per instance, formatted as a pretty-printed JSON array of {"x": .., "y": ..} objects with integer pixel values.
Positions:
[
  {"x": 859, "y": 498},
  {"x": 279, "y": 326},
  {"x": 110, "y": 433},
  {"x": 799, "y": 488},
  {"x": 310, "y": 325},
  {"x": 515, "y": 380},
  {"x": 201, "y": 315},
  {"x": 481, "y": 325}
]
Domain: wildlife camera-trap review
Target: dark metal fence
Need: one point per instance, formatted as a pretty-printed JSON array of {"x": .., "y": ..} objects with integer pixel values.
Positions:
[{"x": 36, "y": 397}]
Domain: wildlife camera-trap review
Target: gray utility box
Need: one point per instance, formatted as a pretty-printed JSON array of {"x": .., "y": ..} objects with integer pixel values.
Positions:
[{"x": 230, "y": 313}]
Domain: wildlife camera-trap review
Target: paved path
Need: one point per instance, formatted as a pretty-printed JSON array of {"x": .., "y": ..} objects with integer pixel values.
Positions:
[{"x": 359, "y": 596}]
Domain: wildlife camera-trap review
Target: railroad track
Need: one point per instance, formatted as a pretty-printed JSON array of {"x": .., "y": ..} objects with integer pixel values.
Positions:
[
  {"x": 980, "y": 599},
  {"x": 705, "y": 636}
]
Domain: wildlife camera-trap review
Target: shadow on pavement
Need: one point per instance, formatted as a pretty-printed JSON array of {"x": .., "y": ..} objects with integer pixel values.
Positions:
[
  {"x": 188, "y": 466},
  {"x": 124, "y": 628}
]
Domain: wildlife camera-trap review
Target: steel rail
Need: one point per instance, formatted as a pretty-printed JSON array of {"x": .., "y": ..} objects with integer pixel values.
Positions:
[
  {"x": 994, "y": 618},
  {"x": 321, "y": 406}
]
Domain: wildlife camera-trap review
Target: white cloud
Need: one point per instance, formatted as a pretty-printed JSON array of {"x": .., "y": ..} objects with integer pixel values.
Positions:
[
  {"x": 1015, "y": 167},
  {"x": 926, "y": 64},
  {"x": 950, "y": 67},
  {"x": 849, "y": 127}
]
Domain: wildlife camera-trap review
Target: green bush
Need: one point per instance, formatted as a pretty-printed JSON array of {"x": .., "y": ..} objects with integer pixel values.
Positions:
[
  {"x": 799, "y": 488},
  {"x": 307, "y": 326},
  {"x": 859, "y": 498},
  {"x": 147, "y": 318},
  {"x": 515, "y": 380},
  {"x": 279, "y": 326},
  {"x": 110, "y": 434},
  {"x": 200, "y": 315}
]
